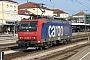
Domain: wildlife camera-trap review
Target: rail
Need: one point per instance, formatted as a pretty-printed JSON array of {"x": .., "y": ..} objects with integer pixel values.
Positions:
[{"x": 20, "y": 55}]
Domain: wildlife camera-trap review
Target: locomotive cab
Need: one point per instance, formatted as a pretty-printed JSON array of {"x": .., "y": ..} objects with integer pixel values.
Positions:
[{"x": 30, "y": 32}]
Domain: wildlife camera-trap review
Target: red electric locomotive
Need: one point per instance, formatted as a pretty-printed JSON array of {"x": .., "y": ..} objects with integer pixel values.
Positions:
[{"x": 43, "y": 32}]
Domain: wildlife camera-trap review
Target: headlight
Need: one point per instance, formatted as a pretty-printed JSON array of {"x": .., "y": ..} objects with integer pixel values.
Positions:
[{"x": 38, "y": 41}]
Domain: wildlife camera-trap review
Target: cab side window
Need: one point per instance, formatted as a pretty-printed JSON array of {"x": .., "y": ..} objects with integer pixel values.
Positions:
[{"x": 42, "y": 25}]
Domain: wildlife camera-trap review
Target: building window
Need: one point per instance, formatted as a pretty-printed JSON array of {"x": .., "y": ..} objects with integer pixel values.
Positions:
[
  {"x": 14, "y": 7},
  {"x": 10, "y": 6},
  {"x": 15, "y": 10},
  {"x": 33, "y": 9},
  {"x": 7, "y": 8}
]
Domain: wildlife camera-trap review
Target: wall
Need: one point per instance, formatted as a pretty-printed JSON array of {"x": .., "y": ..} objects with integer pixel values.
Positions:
[
  {"x": 37, "y": 11},
  {"x": 8, "y": 11},
  {"x": 63, "y": 15}
]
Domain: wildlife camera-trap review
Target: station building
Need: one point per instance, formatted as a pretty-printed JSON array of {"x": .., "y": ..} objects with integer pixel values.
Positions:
[
  {"x": 35, "y": 8},
  {"x": 8, "y": 15},
  {"x": 11, "y": 12},
  {"x": 60, "y": 14},
  {"x": 80, "y": 22}
]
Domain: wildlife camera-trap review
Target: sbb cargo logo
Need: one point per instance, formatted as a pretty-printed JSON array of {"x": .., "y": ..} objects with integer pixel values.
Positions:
[{"x": 54, "y": 31}]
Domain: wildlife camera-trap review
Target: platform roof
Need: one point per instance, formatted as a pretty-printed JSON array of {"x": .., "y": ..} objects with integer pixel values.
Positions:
[{"x": 80, "y": 24}]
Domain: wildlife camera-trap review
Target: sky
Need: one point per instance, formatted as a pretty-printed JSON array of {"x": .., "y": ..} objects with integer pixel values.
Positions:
[{"x": 70, "y": 6}]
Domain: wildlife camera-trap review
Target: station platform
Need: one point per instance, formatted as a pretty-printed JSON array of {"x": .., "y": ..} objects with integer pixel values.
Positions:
[
  {"x": 10, "y": 38},
  {"x": 84, "y": 54}
]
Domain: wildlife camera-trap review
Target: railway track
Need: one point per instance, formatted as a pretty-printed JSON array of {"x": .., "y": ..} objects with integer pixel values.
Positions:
[
  {"x": 49, "y": 53},
  {"x": 65, "y": 54},
  {"x": 4, "y": 47},
  {"x": 33, "y": 53}
]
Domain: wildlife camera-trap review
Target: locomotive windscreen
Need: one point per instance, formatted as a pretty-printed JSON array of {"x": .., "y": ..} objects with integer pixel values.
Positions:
[{"x": 28, "y": 26}]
